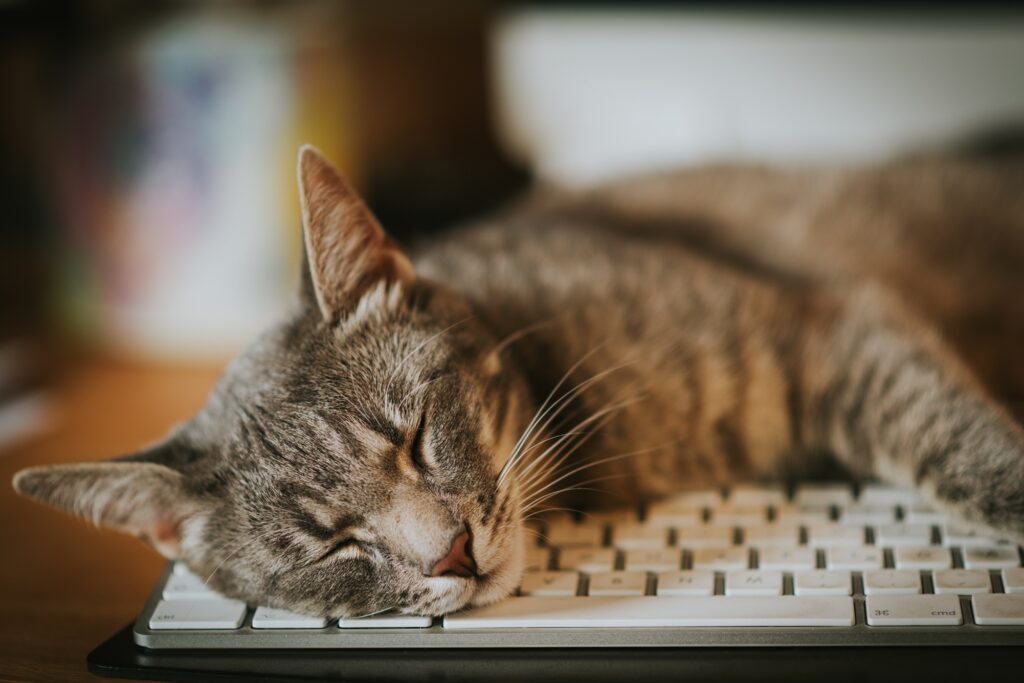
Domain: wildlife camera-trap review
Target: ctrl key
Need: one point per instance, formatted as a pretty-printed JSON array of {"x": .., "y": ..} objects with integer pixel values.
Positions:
[
  {"x": 913, "y": 610},
  {"x": 998, "y": 609},
  {"x": 197, "y": 615}
]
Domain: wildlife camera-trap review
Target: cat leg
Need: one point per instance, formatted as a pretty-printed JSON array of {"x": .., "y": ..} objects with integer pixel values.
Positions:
[{"x": 891, "y": 400}]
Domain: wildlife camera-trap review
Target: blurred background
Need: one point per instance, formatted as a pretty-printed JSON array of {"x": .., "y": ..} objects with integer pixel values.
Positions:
[{"x": 147, "y": 149}]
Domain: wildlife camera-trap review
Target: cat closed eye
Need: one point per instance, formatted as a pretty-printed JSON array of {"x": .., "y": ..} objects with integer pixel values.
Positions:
[{"x": 416, "y": 449}]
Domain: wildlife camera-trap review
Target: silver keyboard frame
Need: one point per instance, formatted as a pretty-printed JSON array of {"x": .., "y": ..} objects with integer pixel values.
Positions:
[{"x": 332, "y": 637}]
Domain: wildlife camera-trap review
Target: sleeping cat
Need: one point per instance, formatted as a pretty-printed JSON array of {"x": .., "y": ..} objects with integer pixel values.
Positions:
[{"x": 383, "y": 446}]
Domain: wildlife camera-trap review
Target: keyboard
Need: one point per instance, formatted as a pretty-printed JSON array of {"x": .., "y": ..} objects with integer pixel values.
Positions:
[{"x": 822, "y": 564}]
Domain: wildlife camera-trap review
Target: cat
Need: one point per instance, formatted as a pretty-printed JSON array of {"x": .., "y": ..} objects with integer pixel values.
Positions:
[{"x": 384, "y": 445}]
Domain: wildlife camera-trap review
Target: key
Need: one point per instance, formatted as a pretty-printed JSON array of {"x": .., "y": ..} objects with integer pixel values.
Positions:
[
  {"x": 665, "y": 559},
  {"x": 913, "y": 610},
  {"x": 995, "y": 557},
  {"x": 1013, "y": 580},
  {"x": 923, "y": 557},
  {"x": 618, "y": 583},
  {"x": 721, "y": 559},
  {"x": 822, "y": 582},
  {"x": 857, "y": 514},
  {"x": 184, "y": 585},
  {"x": 819, "y": 495},
  {"x": 549, "y": 583},
  {"x": 567, "y": 535},
  {"x": 787, "y": 559},
  {"x": 900, "y": 534},
  {"x": 698, "y": 499},
  {"x": 892, "y": 582},
  {"x": 657, "y": 612},
  {"x": 954, "y": 533},
  {"x": 739, "y": 515},
  {"x": 180, "y": 568},
  {"x": 386, "y": 620},
  {"x": 879, "y": 494},
  {"x": 704, "y": 537},
  {"x": 858, "y": 559},
  {"x": 639, "y": 536},
  {"x": 587, "y": 559},
  {"x": 961, "y": 581},
  {"x": 772, "y": 535},
  {"x": 674, "y": 518},
  {"x": 920, "y": 513},
  {"x": 686, "y": 582},
  {"x": 621, "y": 516},
  {"x": 834, "y": 535},
  {"x": 753, "y": 582},
  {"x": 268, "y": 617},
  {"x": 536, "y": 559},
  {"x": 761, "y": 496},
  {"x": 799, "y": 515},
  {"x": 197, "y": 614},
  {"x": 998, "y": 609}
]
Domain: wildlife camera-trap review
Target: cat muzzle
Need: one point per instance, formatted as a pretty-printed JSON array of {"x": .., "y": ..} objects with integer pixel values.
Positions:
[{"x": 459, "y": 560}]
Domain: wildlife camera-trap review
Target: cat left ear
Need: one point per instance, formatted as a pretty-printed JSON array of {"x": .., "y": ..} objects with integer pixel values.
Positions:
[
  {"x": 346, "y": 250},
  {"x": 144, "y": 499}
]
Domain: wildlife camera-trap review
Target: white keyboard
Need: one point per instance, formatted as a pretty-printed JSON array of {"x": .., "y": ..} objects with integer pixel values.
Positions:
[{"x": 820, "y": 565}]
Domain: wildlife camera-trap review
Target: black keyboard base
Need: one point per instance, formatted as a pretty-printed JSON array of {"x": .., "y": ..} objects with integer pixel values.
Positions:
[{"x": 120, "y": 657}]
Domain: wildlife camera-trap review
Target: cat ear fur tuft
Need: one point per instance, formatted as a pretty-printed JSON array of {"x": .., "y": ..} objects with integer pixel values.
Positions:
[
  {"x": 144, "y": 499},
  {"x": 346, "y": 250}
]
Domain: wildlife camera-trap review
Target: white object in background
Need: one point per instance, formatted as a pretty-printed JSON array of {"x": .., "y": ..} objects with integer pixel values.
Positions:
[{"x": 586, "y": 95}]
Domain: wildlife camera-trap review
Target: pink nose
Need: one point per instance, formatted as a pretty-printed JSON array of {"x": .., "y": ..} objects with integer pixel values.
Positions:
[{"x": 459, "y": 560}]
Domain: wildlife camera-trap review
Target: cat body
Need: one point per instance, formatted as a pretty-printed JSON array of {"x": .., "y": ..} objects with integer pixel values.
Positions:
[{"x": 383, "y": 446}]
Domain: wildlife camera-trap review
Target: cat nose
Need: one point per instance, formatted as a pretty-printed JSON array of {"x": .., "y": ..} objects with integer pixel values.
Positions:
[{"x": 459, "y": 560}]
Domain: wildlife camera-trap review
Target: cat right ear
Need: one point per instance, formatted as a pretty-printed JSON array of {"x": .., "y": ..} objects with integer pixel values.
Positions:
[
  {"x": 346, "y": 252},
  {"x": 145, "y": 499}
]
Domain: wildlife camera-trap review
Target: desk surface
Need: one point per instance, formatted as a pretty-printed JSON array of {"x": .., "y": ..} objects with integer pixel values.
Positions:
[{"x": 65, "y": 586}]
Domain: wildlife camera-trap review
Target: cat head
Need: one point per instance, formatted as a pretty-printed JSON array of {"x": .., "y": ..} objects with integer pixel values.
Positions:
[{"x": 348, "y": 461}]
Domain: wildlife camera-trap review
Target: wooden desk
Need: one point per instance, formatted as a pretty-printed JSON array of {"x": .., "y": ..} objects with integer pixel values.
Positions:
[{"x": 65, "y": 586}]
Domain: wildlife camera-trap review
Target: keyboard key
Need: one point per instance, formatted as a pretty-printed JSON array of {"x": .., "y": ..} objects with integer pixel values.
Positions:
[
  {"x": 753, "y": 582},
  {"x": 820, "y": 495},
  {"x": 857, "y": 559},
  {"x": 1013, "y": 580},
  {"x": 787, "y": 559},
  {"x": 662, "y": 560},
  {"x": 184, "y": 585},
  {"x": 704, "y": 537},
  {"x": 569, "y": 535},
  {"x": 892, "y": 582},
  {"x": 738, "y": 515},
  {"x": 698, "y": 499},
  {"x": 833, "y": 535},
  {"x": 586, "y": 559},
  {"x": 801, "y": 515},
  {"x": 620, "y": 516},
  {"x": 757, "y": 495},
  {"x": 671, "y": 517},
  {"x": 617, "y": 583},
  {"x": 197, "y": 614},
  {"x": 536, "y": 559},
  {"x": 993, "y": 557},
  {"x": 998, "y": 609},
  {"x": 549, "y": 583},
  {"x": 686, "y": 582},
  {"x": 913, "y": 610},
  {"x": 901, "y": 534},
  {"x": 268, "y": 617},
  {"x": 822, "y": 582},
  {"x": 920, "y": 513},
  {"x": 639, "y": 536},
  {"x": 721, "y": 559},
  {"x": 961, "y": 581},
  {"x": 857, "y": 514},
  {"x": 923, "y": 557},
  {"x": 771, "y": 536},
  {"x": 386, "y": 620},
  {"x": 653, "y": 612},
  {"x": 955, "y": 533},
  {"x": 880, "y": 494}
]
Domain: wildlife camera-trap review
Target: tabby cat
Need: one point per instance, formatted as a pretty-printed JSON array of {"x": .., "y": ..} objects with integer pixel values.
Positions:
[{"x": 383, "y": 446}]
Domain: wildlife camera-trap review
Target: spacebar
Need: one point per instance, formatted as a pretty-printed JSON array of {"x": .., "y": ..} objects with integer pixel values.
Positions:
[{"x": 652, "y": 611}]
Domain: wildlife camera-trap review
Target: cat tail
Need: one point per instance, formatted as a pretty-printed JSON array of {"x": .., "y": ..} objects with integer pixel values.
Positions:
[{"x": 892, "y": 401}]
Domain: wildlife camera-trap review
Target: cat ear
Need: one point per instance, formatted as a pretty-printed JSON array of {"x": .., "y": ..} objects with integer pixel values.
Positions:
[
  {"x": 140, "y": 498},
  {"x": 346, "y": 250}
]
